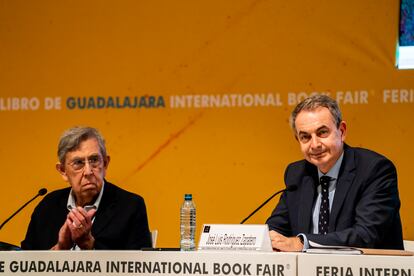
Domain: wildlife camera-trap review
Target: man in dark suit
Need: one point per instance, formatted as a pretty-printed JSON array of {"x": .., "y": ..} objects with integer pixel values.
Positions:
[
  {"x": 92, "y": 213},
  {"x": 345, "y": 196}
]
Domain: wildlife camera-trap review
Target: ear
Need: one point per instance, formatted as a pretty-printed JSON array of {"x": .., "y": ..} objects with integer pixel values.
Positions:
[
  {"x": 61, "y": 169},
  {"x": 342, "y": 129},
  {"x": 106, "y": 161}
]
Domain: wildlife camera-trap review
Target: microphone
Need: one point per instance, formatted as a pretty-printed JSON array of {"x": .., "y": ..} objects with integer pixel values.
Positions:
[
  {"x": 287, "y": 189},
  {"x": 41, "y": 192}
]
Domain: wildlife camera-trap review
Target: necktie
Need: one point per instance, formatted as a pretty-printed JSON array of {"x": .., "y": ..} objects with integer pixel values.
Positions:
[{"x": 324, "y": 210}]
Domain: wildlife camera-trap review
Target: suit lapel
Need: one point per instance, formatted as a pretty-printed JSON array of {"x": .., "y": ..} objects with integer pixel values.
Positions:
[
  {"x": 306, "y": 204},
  {"x": 345, "y": 180},
  {"x": 106, "y": 209}
]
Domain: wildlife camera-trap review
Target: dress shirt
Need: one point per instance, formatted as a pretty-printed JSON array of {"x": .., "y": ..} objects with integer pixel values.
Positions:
[
  {"x": 72, "y": 204},
  {"x": 333, "y": 173}
]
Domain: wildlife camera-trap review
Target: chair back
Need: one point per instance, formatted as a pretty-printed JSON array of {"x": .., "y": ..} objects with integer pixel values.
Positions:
[
  {"x": 154, "y": 236},
  {"x": 409, "y": 245}
]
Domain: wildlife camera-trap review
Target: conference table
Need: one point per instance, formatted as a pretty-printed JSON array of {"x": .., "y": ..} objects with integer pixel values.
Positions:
[{"x": 222, "y": 262}]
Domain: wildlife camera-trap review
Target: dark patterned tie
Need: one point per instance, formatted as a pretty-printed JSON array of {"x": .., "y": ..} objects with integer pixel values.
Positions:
[{"x": 324, "y": 210}]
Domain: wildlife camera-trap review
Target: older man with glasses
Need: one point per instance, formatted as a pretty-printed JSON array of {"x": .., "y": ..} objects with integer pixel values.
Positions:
[{"x": 92, "y": 213}]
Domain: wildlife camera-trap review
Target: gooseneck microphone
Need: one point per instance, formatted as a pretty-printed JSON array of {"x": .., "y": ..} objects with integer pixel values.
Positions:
[
  {"x": 41, "y": 192},
  {"x": 289, "y": 189}
]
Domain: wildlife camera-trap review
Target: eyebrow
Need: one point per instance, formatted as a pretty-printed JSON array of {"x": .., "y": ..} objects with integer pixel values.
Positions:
[
  {"x": 78, "y": 157},
  {"x": 319, "y": 128}
]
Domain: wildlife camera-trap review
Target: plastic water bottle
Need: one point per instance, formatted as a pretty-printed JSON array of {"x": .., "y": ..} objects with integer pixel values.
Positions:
[{"x": 187, "y": 223}]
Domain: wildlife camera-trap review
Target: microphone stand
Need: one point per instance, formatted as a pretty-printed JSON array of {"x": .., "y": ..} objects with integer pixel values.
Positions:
[
  {"x": 4, "y": 246},
  {"x": 289, "y": 188},
  {"x": 40, "y": 193}
]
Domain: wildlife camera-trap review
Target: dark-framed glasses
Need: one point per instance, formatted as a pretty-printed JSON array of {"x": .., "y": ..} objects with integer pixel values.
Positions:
[{"x": 94, "y": 161}]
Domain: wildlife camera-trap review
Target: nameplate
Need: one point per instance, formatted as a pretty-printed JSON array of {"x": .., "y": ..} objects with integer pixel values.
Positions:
[{"x": 235, "y": 237}]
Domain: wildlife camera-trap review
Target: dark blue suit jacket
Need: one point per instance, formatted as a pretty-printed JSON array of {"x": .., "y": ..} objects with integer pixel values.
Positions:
[
  {"x": 120, "y": 222},
  {"x": 365, "y": 210}
]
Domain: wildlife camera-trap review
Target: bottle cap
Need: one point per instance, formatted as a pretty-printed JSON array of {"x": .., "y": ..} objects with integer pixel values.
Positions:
[{"x": 188, "y": 197}]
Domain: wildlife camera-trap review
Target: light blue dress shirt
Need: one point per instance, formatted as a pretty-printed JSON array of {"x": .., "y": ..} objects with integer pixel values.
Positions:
[{"x": 333, "y": 173}]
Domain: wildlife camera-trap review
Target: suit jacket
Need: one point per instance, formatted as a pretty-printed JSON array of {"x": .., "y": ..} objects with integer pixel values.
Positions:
[
  {"x": 120, "y": 221},
  {"x": 365, "y": 208}
]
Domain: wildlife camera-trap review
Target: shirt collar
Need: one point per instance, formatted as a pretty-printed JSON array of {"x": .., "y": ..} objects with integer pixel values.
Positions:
[{"x": 72, "y": 203}]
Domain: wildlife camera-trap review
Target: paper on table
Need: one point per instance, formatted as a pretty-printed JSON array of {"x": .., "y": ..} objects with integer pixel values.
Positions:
[{"x": 334, "y": 249}]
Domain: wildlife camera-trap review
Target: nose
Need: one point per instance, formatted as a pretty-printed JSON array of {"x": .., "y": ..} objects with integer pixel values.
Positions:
[
  {"x": 87, "y": 170},
  {"x": 315, "y": 143}
]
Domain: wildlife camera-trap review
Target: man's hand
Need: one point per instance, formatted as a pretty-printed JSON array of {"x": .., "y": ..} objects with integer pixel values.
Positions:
[
  {"x": 79, "y": 223},
  {"x": 286, "y": 244},
  {"x": 64, "y": 239}
]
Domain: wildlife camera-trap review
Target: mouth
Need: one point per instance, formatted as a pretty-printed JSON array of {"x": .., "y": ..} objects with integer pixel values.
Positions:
[
  {"x": 318, "y": 155},
  {"x": 89, "y": 185}
]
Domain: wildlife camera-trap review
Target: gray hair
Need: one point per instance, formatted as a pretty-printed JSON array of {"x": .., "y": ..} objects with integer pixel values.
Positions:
[
  {"x": 313, "y": 103},
  {"x": 71, "y": 139}
]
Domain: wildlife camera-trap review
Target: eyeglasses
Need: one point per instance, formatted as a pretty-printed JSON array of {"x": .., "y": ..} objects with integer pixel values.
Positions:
[{"x": 94, "y": 161}]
